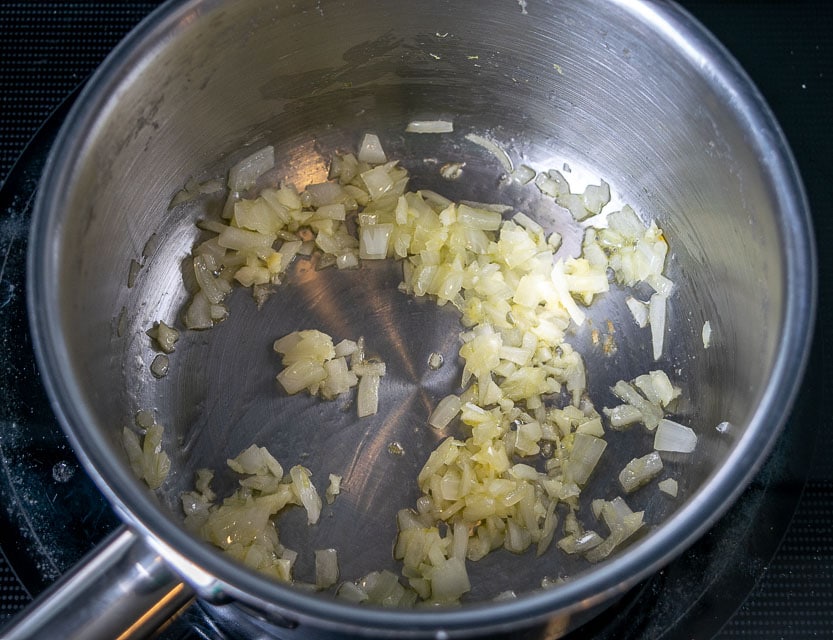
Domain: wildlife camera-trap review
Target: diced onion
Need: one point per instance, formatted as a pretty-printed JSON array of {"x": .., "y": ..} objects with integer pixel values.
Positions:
[
  {"x": 651, "y": 414},
  {"x": 656, "y": 314},
  {"x": 623, "y": 415},
  {"x": 449, "y": 581},
  {"x": 585, "y": 454},
  {"x": 351, "y": 593},
  {"x": 371, "y": 151},
  {"x": 673, "y": 436},
  {"x": 581, "y": 543},
  {"x": 707, "y": 334},
  {"x": 331, "y": 211},
  {"x": 640, "y": 471},
  {"x": 378, "y": 182},
  {"x": 639, "y": 310},
  {"x": 313, "y": 363},
  {"x": 245, "y": 173},
  {"x": 244, "y": 240},
  {"x": 596, "y": 197},
  {"x": 383, "y": 588},
  {"x": 345, "y": 348},
  {"x": 552, "y": 184},
  {"x": 368, "y": 368},
  {"x": 445, "y": 411},
  {"x": 429, "y": 126},
  {"x": 645, "y": 383},
  {"x": 523, "y": 174},
  {"x": 367, "y": 401},
  {"x": 326, "y": 568},
  {"x": 302, "y": 486},
  {"x": 665, "y": 391},
  {"x": 164, "y": 336},
  {"x": 592, "y": 427},
  {"x": 256, "y": 461},
  {"x": 198, "y": 313},
  {"x": 324, "y": 195},
  {"x": 660, "y": 283},
  {"x": 333, "y": 489},
  {"x": 669, "y": 486},
  {"x": 301, "y": 374},
  {"x": 147, "y": 459},
  {"x": 564, "y": 296},
  {"x": 374, "y": 241},
  {"x": 478, "y": 218},
  {"x": 621, "y": 521}
]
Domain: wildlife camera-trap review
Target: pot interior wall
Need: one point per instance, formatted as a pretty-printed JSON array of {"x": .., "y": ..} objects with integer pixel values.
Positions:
[{"x": 581, "y": 82}]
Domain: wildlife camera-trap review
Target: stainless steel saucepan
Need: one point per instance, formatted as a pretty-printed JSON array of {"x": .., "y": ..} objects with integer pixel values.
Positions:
[{"x": 632, "y": 91}]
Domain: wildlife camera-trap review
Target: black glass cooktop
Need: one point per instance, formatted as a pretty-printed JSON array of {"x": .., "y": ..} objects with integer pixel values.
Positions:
[{"x": 764, "y": 571}]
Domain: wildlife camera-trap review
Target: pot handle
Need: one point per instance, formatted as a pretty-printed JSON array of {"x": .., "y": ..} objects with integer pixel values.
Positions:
[{"x": 121, "y": 589}]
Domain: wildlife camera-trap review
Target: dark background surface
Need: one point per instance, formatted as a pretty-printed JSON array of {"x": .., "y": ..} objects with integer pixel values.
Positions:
[{"x": 771, "y": 556}]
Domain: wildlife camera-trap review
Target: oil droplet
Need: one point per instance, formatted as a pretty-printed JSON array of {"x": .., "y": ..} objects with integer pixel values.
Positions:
[
  {"x": 159, "y": 366},
  {"x": 62, "y": 471}
]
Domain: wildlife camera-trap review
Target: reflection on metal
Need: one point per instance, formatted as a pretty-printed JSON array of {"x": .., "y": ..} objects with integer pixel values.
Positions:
[{"x": 122, "y": 589}]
